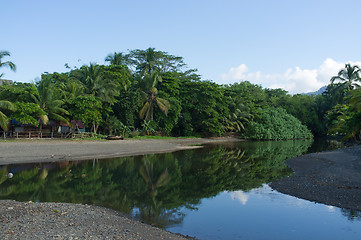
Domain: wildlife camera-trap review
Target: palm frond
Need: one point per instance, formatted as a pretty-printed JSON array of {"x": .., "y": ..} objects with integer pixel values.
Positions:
[
  {"x": 3, "y": 121},
  {"x": 163, "y": 179},
  {"x": 58, "y": 117},
  {"x": 163, "y": 104},
  {"x": 4, "y": 54},
  {"x": 7, "y": 105},
  {"x": 8, "y": 64},
  {"x": 145, "y": 110},
  {"x": 333, "y": 79},
  {"x": 44, "y": 118}
]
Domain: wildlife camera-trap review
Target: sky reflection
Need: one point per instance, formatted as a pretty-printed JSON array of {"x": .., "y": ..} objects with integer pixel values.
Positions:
[{"x": 263, "y": 213}]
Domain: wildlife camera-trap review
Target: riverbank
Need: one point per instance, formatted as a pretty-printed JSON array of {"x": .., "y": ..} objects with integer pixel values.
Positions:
[
  {"x": 331, "y": 177},
  {"x": 45, "y": 221},
  {"x": 51, "y": 150}
]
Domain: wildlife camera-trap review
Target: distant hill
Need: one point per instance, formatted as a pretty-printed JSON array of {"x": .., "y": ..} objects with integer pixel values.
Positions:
[{"x": 318, "y": 92}]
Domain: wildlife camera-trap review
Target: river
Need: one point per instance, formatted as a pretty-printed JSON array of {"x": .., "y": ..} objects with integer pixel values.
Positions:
[{"x": 216, "y": 192}]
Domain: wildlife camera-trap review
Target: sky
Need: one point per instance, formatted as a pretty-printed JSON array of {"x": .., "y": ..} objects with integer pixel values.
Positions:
[{"x": 295, "y": 45}]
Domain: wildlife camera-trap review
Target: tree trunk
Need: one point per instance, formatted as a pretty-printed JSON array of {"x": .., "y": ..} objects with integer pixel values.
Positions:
[{"x": 41, "y": 126}]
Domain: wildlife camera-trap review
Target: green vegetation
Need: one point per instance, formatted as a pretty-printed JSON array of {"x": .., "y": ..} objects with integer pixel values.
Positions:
[
  {"x": 8, "y": 64},
  {"x": 150, "y": 92},
  {"x": 3, "y": 118},
  {"x": 276, "y": 124}
]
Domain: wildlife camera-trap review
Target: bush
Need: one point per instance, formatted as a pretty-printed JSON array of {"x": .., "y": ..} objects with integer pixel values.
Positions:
[
  {"x": 276, "y": 124},
  {"x": 134, "y": 134}
]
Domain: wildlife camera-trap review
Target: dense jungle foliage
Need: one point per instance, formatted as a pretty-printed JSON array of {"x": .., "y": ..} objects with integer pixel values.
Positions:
[{"x": 153, "y": 92}]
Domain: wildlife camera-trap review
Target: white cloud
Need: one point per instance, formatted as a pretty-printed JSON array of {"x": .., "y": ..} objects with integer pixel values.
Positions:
[
  {"x": 294, "y": 80},
  {"x": 240, "y": 196},
  {"x": 237, "y": 73}
]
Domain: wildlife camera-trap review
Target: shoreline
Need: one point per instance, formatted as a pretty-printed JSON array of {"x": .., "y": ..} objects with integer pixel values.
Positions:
[
  {"x": 32, "y": 151},
  {"x": 330, "y": 177},
  {"x": 43, "y": 221}
]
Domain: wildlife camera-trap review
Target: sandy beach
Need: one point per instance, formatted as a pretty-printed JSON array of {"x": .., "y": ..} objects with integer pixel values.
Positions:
[{"x": 29, "y": 151}]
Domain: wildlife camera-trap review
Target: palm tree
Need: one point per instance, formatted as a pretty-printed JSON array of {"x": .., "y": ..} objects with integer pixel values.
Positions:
[
  {"x": 92, "y": 77},
  {"x": 72, "y": 88},
  {"x": 149, "y": 60},
  {"x": 7, "y": 63},
  {"x": 118, "y": 59},
  {"x": 149, "y": 70},
  {"x": 238, "y": 115},
  {"x": 348, "y": 76},
  {"x": 151, "y": 97},
  {"x": 3, "y": 118},
  {"x": 49, "y": 102},
  {"x": 355, "y": 99}
]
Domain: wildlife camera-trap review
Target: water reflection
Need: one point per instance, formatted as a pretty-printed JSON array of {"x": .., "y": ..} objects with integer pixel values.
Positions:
[
  {"x": 156, "y": 188},
  {"x": 351, "y": 215},
  {"x": 241, "y": 196}
]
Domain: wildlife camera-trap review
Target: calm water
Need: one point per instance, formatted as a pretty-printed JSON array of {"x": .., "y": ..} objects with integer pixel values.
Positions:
[{"x": 217, "y": 192}]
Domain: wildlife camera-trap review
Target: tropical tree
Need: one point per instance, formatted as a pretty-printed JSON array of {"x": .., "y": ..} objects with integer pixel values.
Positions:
[
  {"x": 346, "y": 118},
  {"x": 72, "y": 89},
  {"x": 355, "y": 99},
  {"x": 3, "y": 118},
  {"x": 9, "y": 64},
  {"x": 118, "y": 59},
  {"x": 118, "y": 74},
  {"x": 95, "y": 84},
  {"x": 147, "y": 110},
  {"x": 237, "y": 116},
  {"x": 251, "y": 95},
  {"x": 47, "y": 99},
  {"x": 87, "y": 109},
  {"x": 204, "y": 108},
  {"x": 348, "y": 76},
  {"x": 169, "y": 89},
  {"x": 149, "y": 60},
  {"x": 28, "y": 113},
  {"x": 150, "y": 64}
]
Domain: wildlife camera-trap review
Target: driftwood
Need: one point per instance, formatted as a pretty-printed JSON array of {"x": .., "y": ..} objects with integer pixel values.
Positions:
[{"x": 115, "y": 138}]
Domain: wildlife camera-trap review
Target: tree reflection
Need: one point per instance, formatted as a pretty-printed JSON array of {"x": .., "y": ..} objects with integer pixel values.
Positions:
[
  {"x": 352, "y": 215},
  {"x": 153, "y": 188}
]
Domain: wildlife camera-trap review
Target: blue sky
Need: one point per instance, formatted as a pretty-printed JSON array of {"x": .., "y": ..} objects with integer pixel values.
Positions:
[{"x": 295, "y": 45}]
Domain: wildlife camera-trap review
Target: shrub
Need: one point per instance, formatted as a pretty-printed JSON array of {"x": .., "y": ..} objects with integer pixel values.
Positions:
[{"x": 276, "y": 124}]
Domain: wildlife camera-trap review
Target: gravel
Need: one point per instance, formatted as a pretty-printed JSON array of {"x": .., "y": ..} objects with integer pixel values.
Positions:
[
  {"x": 29, "y": 220},
  {"x": 331, "y": 177}
]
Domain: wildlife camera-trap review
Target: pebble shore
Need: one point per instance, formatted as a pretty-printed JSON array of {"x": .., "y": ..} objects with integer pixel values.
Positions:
[
  {"x": 43, "y": 221},
  {"x": 331, "y": 177}
]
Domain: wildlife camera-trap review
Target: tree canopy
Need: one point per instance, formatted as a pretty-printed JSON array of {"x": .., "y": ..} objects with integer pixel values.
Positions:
[{"x": 156, "y": 90}]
